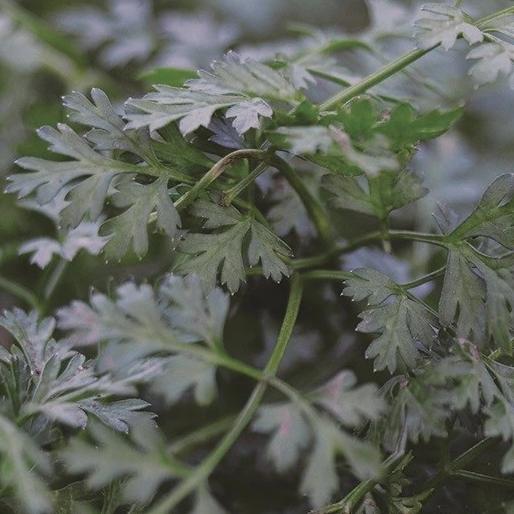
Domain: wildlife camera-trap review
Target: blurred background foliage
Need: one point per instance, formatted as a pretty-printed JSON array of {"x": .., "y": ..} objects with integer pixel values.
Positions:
[{"x": 50, "y": 47}]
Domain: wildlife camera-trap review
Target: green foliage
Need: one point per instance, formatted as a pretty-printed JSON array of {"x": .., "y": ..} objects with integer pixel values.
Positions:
[
  {"x": 441, "y": 24},
  {"x": 147, "y": 394},
  {"x": 404, "y": 324},
  {"x": 223, "y": 251}
]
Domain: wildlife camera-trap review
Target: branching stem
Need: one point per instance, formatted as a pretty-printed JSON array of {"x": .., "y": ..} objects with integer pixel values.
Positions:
[
  {"x": 216, "y": 170},
  {"x": 394, "y": 67},
  {"x": 202, "y": 472}
]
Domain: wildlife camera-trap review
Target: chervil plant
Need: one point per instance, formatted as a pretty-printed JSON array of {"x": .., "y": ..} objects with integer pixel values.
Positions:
[{"x": 247, "y": 181}]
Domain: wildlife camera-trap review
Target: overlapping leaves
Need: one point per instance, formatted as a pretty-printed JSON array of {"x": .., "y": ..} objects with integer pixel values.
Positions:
[
  {"x": 242, "y": 87},
  {"x": 478, "y": 289},
  {"x": 175, "y": 322},
  {"x": 358, "y": 138}
]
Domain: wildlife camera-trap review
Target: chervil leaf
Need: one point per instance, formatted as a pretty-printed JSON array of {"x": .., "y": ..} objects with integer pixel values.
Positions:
[
  {"x": 235, "y": 74},
  {"x": 247, "y": 115},
  {"x": 42, "y": 249},
  {"x": 291, "y": 433},
  {"x": 199, "y": 317},
  {"x": 108, "y": 128},
  {"x": 320, "y": 479},
  {"x": 182, "y": 373},
  {"x": 332, "y": 148},
  {"x": 416, "y": 413},
  {"x": 481, "y": 290},
  {"x": 33, "y": 336},
  {"x": 381, "y": 195},
  {"x": 175, "y": 150},
  {"x": 60, "y": 384},
  {"x": 441, "y": 24},
  {"x": 234, "y": 83},
  {"x": 225, "y": 252},
  {"x": 142, "y": 458},
  {"x": 306, "y": 140},
  {"x": 371, "y": 284},
  {"x": 140, "y": 321},
  {"x": 404, "y": 127},
  {"x": 500, "y": 423},
  {"x": 348, "y": 193},
  {"x": 403, "y": 324},
  {"x": 468, "y": 377},
  {"x": 288, "y": 212},
  {"x": 293, "y": 426},
  {"x": 23, "y": 463},
  {"x": 350, "y": 405},
  {"x": 494, "y": 215},
  {"x": 205, "y": 503},
  {"x": 89, "y": 174},
  {"x": 119, "y": 415},
  {"x": 122, "y": 31},
  {"x": 494, "y": 59},
  {"x": 130, "y": 227},
  {"x": 83, "y": 236},
  {"x": 359, "y": 118},
  {"x": 194, "y": 109},
  {"x": 477, "y": 287}
]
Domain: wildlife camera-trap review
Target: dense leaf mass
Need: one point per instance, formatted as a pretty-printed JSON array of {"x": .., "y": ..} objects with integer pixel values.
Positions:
[{"x": 256, "y": 276}]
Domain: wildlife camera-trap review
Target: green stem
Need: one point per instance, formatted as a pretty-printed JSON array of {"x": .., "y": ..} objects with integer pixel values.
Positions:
[
  {"x": 357, "y": 494},
  {"x": 54, "y": 280},
  {"x": 319, "y": 260},
  {"x": 348, "y": 504},
  {"x": 203, "y": 471},
  {"x": 373, "y": 79},
  {"x": 482, "y": 22},
  {"x": 327, "y": 274},
  {"x": 472, "y": 476},
  {"x": 425, "y": 278},
  {"x": 435, "y": 239},
  {"x": 21, "y": 292},
  {"x": 231, "y": 194},
  {"x": 313, "y": 207},
  {"x": 455, "y": 465},
  {"x": 201, "y": 435},
  {"x": 394, "y": 67},
  {"x": 216, "y": 170}
]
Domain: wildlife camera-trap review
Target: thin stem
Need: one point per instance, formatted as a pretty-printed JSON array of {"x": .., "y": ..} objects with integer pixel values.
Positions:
[
  {"x": 357, "y": 494},
  {"x": 425, "y": 278},
  {"x": 54, "y": 280},
  {"x": 348, "y": 504},
  {"x": 203, "y": 471},
  {"x": 228, "y": 196},
  {"x": 21, "y": 292},
  {"x": 491, "y": 17},
  {"x": 327, "y": 274},
  {"x": 394, "y": 67},
  {"x": 373, "y": 79},
  {"x": 313, "y": 207},
  {"x": 319, "y": 260},
  {"x": 436, "y": 239},
  {"x": 206, "y": 433},
  {"x": 472, "y": 476},
  {"x": 461, "y": 461},
  {"x": 215, "y": 172}
]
